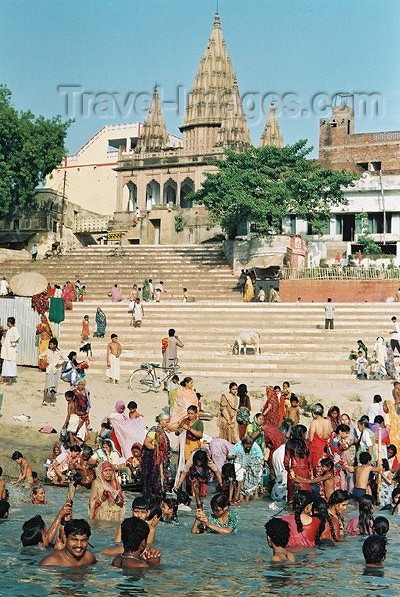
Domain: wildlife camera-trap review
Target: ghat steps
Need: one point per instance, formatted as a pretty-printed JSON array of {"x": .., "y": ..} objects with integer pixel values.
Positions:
[
  {"x": 293, "y": 341},
  {"x": 203, "y": 270}
]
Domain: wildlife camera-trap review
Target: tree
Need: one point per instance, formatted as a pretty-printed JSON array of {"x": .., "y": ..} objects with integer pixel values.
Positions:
[
  {"x": 368, "y": 245},
  {"x": 30, "y": 148},
  {"x": 265, "y": 185}
]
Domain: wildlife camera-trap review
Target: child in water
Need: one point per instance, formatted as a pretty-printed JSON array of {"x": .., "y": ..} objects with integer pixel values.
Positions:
[
  {"x": 278, "y": 533},
  {"x": 25, "y": 475},
  {"x": 374, "y": 551}
]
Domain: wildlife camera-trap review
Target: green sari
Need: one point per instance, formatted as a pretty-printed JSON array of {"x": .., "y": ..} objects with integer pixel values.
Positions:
[
  {"x": 260, "y": 439},
  {"x": 146, "y": 290}
]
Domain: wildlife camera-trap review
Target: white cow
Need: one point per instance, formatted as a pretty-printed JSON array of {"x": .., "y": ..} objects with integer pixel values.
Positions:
[{"x": 247, "y": 338}]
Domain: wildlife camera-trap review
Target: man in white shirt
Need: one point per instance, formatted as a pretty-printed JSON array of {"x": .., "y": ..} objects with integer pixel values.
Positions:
[
  {"x": 375, "y": 409},
  {"x": 394, "y": 341},
  {"x": 329, "y": 311},
  {"x": 9, "y": 353}
]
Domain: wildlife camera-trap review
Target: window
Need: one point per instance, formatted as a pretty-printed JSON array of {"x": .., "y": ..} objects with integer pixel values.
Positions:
[
  {"x": 54, "y": 226},
  {"x": 292, "y": 223},
  {"x": 339, "y": 225},
  {"x": 16, "y": 225},
  {"x": 375, "y": 223}
]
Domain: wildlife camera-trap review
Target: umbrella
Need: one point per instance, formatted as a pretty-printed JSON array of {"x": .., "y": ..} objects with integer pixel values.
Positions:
[{"x": 28, "y": 284}]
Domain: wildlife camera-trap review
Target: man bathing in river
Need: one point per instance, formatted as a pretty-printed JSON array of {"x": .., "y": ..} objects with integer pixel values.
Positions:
[
  {"x": 75, "y": 554},
  {"x": 134, "y": 532}
]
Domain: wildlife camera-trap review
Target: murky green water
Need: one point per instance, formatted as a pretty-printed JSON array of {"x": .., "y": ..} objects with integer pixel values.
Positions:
[{"x": 196, "y": 565}]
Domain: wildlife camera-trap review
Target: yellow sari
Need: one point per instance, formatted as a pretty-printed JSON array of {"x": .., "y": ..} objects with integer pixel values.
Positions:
[
  {"x": 248, "y": 290},
  {"x": 394, "y": 422}
]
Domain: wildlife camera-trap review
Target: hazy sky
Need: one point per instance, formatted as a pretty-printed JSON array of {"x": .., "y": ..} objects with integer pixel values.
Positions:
[{"x": 120, "y": 47}]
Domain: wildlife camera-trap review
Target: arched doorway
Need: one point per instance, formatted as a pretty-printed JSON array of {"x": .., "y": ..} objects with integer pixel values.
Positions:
[
  {"x": 152, "y": 194},
  {"x": 170, "y": 191},
  {"x": 187, "y": 187},
  {"x": 129, "y": 195}
]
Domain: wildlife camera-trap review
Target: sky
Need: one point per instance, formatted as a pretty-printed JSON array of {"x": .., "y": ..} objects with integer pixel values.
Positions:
[{"x": 116, "y": 50}]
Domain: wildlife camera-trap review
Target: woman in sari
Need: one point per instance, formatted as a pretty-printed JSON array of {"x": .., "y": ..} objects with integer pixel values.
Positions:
[
  {"x": 185, "y": 397},
  {"x": 156, "y": 457},
  {"x": 248, "y": 290},
  {"x": 297, "y": 461},
  {"x": 101, "y": 323},
  {"x": 271, "y": 408},
  {"x": 244, "y": 409},
  {"x": 380, "y": 355},
  {"x": 44, "y": 331},
  {"x": 227, "y": 415},
  {"x": 146, "y": 295},
  {"x": 108, "y": 453},
  {"x": 106, "y": 497},
  {"x": 256, "y": 432},
  {"x": 68, "y": 295},
  {"x": 72, "y": 371},
  {"x": 392, "y": 423},
  {"x": 318, "y": 434},
  {"x": 389, "y": 364},
  {"x": 116, "y": 295},
  {"x": 334, "y": 416}
]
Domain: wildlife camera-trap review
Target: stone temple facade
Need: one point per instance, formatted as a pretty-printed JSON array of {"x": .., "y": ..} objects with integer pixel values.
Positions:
[{"x": 156, "y": 178}]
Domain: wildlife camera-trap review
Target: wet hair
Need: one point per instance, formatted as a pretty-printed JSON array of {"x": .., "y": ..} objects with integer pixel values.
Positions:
[
  {"x": 364, "y": 457},
  {"x": 133, "y": 532},
  {"x": 186, "y": 380},
  {"x": 132, "y": 405},
  {"x": 182, "y": 497},
  {"x": 364, "y": 420},
  {"x": 377, "y": 398},
  {"x": 278, "y": 531},
  {"x": 53, "y": 341},
  {"x": 4, "y": 508},
  {"x": 228, "y": 472},
  {"x": 393, "y": 449},
  {"x": 232, "y": 385},
  {"x": 77, "y": 526},
  {"x": 72, "y": 355},
  {"x": 36, "y": 489},
  {"x": 327, "y": 463},
  {"x": 200, "y": 458},
  {"x": 219, "y": 501},
  {"x": 16, "y": 455},
  {"x": 380, "y": 526},
  {"x": 318, "y": 409},
  {"x": 296, "y": 443},
  {"x": 374, "y": 549},
  {"x": 32, "y": 531},
  {"x": 171, "y": 503},
  {"x": 338, "y": 497},
  {"x": 365, "y": 505},
  {"x": 320, "y": 510},
  {"x": 171, "y": 332},
  {"x": 193, "y": 407},
  {"x": 140, "y": 503},
  {"x": 379, "y": 419},
  {"x": 301, "y": 500}
]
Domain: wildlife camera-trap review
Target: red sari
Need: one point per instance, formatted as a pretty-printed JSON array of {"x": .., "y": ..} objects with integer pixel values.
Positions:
[
  {"x": 304, "y": 538},
  {"x": 317, "y": 449},
  {"x": 274, "y": 438},
  {"x": 272, "y": 417},
  {"x": 301, "y": 468}
]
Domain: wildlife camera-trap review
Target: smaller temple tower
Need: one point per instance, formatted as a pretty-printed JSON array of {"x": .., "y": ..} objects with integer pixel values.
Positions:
[
  {"x": 272, "y": 133},
  {"x": 154, "y": 135}
]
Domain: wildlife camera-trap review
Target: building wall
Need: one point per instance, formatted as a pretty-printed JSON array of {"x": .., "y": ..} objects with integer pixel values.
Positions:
[{"x": 341, "y": 291}]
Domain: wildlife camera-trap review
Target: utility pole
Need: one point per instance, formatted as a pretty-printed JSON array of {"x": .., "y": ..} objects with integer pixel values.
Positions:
[
  {"x": 383, "y": 206},
  {"x": 63, "y": 205}
]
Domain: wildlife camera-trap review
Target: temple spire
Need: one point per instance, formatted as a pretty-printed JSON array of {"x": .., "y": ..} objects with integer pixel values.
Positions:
[
  {"x": 210, "y": 99},
  {"x": 154, "y": 133},
  {"x": 272, "y": 133}
]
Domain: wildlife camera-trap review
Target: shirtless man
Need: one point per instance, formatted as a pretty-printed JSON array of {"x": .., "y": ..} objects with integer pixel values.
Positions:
[
  {"x": 34, "y": 531},
  {"x": 134, "y": 533},
  {"x": 3, "y": 490},
  {"x": 396, "y": 395},
  {"x": 278, "y": 533},
  {"x": 362, "y": 472},
  {"x": 75, "y": 554},
  {"x": 140, "y": 509},
  {"x": 114, "y": 351},
  {"x": 25, "y": 475}
]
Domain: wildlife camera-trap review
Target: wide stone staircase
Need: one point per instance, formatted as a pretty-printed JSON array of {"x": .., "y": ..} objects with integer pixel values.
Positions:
[{"x": 294, "y": 344}]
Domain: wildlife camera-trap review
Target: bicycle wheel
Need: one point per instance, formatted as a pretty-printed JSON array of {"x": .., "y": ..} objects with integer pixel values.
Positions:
[{"x": 142, "y": 380}]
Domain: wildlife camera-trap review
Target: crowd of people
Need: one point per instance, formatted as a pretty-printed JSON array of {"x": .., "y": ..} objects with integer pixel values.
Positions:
[{"x": 316, "y": 469}]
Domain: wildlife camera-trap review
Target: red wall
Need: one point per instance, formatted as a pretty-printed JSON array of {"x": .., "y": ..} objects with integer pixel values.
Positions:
[{"x": 341, "y": 291}]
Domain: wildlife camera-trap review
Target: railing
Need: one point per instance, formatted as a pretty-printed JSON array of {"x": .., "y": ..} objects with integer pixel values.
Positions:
[
  {"x": 341, "y": 273},
  {"x": 93, "y": 224}
]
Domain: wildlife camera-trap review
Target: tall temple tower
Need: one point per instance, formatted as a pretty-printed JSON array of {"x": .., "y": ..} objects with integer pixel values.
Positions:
[
  {"x": 158, "y": 176},
  {"x": 214, "y": 101}
]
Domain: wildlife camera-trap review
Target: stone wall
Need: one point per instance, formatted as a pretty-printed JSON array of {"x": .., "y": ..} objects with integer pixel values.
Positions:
[
  {"x": 341, "y": 291},
  {"x": 239, "y": 252}
]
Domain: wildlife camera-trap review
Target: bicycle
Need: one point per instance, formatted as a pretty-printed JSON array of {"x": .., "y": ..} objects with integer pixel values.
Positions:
[{"x": 147, "y": 377}]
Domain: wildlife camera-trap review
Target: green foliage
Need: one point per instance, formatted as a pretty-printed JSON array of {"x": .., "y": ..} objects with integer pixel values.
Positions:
[
  {"x": 368, "y": 245},
  {"x": 30, "y": 148},
  {"x": 264, "y": 185},
  {"x": 179, "y": 222}
]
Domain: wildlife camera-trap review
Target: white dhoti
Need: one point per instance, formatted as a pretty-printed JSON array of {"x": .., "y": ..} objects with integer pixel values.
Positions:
[
  {"x": 9, "y": 369},
  {"x": 114, "y": 371},
  {"x": 73, "y": 426}
]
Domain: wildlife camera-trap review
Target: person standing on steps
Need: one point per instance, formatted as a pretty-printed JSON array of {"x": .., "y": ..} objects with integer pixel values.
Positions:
[
  {"x": 114, "y": 350},
  {"x": 34, "y": 252},
  {"x": 329, "y": 314},
  {"x": 394, "y": 340},
  {"x": 169, "y": 349}
]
